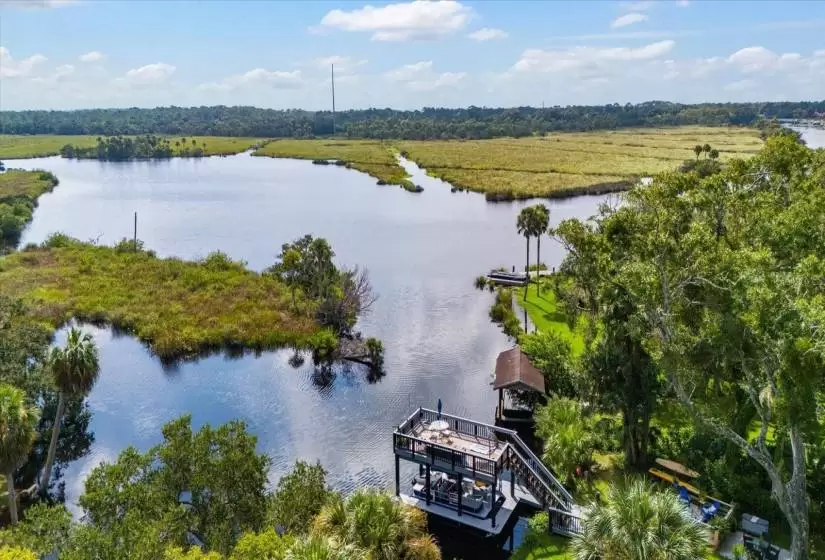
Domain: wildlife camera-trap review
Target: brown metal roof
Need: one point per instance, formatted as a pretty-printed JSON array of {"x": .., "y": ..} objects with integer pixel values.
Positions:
[{"x": 514, "y": 370}]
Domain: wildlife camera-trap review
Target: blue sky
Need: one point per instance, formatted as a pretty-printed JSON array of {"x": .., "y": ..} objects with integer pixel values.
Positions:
[{"x": 61, "y": 54}]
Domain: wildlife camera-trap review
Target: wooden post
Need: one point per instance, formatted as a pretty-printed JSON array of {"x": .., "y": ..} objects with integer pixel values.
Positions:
[
  {"x": 460, "y": 478},
  {"x": 397, "y": 477},
  {"x": 134, "y": 239},
  {"x": 493, "y": 496},
  {"x": 427, "y": 487},
  {"x": 513, "y": 483}
]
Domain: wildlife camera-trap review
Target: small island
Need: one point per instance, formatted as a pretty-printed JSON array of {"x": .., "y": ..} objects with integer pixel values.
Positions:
[{"x": 185, "y": 309}]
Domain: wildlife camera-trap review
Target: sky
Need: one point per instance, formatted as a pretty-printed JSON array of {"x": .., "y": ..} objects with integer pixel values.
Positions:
[{"x": 70, "y": 54}]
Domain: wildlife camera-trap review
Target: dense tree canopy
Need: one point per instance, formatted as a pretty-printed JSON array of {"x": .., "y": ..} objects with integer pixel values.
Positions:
[
  {"x": 717, "y": 282},
  {"x": 428, "y": 123}
]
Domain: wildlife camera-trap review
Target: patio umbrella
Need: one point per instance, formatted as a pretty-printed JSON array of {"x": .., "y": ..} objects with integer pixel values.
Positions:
[{"x": 439, "y": 409}]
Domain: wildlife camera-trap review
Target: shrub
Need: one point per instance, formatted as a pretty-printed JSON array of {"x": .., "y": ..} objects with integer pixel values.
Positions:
[
  {"x": 324, "y": 345},
  {"x": 220, "y": 261},
  {"x": 127, "y": 245},
  {"x": 14, "y": 553},
  {"x": 59, "y": 240},
  {"x": 375, "y": 351},
  {"x": 481, "y": 282}
]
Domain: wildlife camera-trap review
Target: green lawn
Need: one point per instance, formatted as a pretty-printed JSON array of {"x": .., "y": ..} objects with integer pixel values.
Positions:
[
  {"x": 546, "y": 315},
  {"x": 543, "y": 547}
]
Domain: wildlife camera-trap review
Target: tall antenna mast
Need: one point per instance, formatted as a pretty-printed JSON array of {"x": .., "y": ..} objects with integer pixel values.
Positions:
[{"x": 332, "y": 72}]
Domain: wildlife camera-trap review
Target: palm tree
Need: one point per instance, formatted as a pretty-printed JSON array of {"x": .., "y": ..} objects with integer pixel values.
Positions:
[
  {"x": 640, "y": 522},
  {"x": 706, "y": 148},
  {"x": 75, "y": 369},
  {"x": 542, "y": 222},
  {"x": 525, "y": 225},
  {"x": 714, "y": 154},
  {"x": 318, "y": 547},
  {"x": 567, "y": 434},
  {"x": 697, "y": 149},
  {"x": 382, "y": 527},
  {"x": 18, "y": 430}
]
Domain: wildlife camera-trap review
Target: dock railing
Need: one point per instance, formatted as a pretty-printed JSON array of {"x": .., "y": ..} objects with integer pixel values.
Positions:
[
  {"x": 565, "y": 523},
  {"x": 493, "y": 435}
]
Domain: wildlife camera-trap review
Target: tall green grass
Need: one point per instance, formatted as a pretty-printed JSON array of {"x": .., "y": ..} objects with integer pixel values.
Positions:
[
  {"x": 178, "y": 308},
  {"x": 42, "y": 145}
]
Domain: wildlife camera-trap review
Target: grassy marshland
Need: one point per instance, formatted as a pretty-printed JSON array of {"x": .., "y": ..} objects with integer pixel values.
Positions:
[
  {"x": 178, "y": 308},
  {"x": 19, "y": 191},
  {"x": 373, "y": 157},
  {"x": 571, "y": 163},
  {"x": 25, "y": 146}
]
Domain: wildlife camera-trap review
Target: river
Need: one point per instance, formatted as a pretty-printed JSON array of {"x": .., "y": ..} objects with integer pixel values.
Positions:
[{"x": 422, "y": 250}]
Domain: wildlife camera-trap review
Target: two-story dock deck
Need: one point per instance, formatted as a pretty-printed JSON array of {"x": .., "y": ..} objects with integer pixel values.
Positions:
[{"x": 470, "y": 460}]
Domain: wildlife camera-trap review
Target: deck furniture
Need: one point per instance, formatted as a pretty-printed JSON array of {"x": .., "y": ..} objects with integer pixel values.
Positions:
[{"x": 475, "y": 452}]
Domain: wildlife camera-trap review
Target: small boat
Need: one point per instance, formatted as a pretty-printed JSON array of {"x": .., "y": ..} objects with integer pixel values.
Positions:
[
  {"x": 475, "y": 499},
  {"x": 507, "y": 278}
]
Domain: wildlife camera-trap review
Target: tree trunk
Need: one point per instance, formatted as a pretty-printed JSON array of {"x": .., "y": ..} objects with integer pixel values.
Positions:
[
  {"x": 527, "y": 267},
  {"x": 12, "y": 497},
  {"x": 798, "y": 498},
  {"x": 58, "y": 419},
  {"x": 538, "y": 265}
]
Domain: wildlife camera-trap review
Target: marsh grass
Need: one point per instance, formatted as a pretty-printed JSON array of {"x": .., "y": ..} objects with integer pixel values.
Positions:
[
  {"x": 373, "y": 157},
  {"x": 15, "y": 183},
  {"x": 40, "y": 145},
  {"x": 29, "y": 146},
  {"x": 19, "y": 191},
  {"x": 180, "y": 309},
  {"x": 569, "y": 164}
]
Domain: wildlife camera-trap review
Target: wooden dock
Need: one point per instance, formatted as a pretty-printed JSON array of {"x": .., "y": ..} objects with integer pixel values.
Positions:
[{"x": 469, "y": 450}]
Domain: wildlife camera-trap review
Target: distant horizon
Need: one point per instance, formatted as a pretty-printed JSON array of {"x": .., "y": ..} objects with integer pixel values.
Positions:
[
  {"x": 75, "y": 54},
  {"x": 421, "y": 109}
]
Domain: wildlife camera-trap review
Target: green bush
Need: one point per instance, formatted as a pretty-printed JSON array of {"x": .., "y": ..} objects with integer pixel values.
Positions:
[{"x": 324, "y": 345}]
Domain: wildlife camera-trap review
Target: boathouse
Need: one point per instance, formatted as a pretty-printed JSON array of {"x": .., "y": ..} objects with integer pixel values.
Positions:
[
  {"x": 515, "y": 372},
  {"x": 465, "y": 463}
]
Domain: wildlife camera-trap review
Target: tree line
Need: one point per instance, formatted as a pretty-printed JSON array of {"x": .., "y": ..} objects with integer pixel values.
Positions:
[
  {"x": 146, "y": 146},
  {"x": 428, "y": 123},
  {"x": 703, "y": 298}
]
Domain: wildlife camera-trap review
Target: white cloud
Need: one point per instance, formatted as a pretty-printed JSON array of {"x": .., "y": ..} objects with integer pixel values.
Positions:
[
  {"x": 819, "y": 52},
  {"x": 421, "y": 77},
  {"x": 343, "y": 64},
  {"x": 537, "y": 60},
  {"x": 11, "y": 69},
  {"x": 488, "y": 34},
  {"x": 255, "y": 78},
  {"x": 59, "y": 75},
  {"x": 684, "y": 3},
  {"x": 741, "y": 85},
  {"x": 36, "y": 4},
  {"x": 415, "y": 20},
  {"x": 760, "y": 59},
  {"x": 628, "y": 19},
  {"x": 409, "y": 71},
  {"x": 64, "y": 70},
  {"x": 150, "y": 74},
  {"x": 93, "y": 56}
]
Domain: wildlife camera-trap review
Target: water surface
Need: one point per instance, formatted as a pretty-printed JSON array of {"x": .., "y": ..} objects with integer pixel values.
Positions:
[{"x": 422, "y": 250}]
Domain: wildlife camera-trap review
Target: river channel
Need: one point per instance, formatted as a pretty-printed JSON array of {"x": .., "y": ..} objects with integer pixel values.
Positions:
[{"x": 422, "y": 250}]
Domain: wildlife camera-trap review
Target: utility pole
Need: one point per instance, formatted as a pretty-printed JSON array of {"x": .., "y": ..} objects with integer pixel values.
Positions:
[
  {"x": 332, "y": 74},
  {"x": 134, "y": 239}
]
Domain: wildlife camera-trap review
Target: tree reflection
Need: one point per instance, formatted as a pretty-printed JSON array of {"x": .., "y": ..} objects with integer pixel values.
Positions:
[{"x": 74, "y": 442}]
